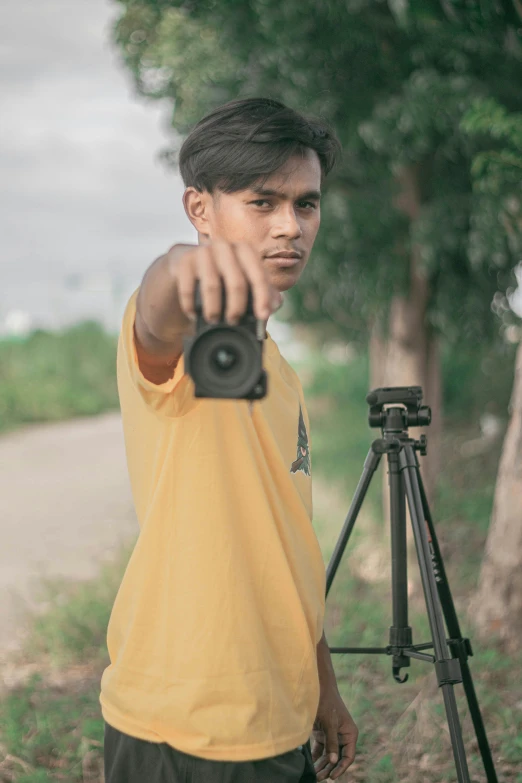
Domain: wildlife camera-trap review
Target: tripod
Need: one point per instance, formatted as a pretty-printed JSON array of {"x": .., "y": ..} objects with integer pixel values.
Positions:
[{"x": 451, "y": 655}]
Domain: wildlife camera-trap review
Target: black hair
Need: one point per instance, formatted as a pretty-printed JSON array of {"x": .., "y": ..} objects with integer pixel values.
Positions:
[{"x": 247, "y": 140}]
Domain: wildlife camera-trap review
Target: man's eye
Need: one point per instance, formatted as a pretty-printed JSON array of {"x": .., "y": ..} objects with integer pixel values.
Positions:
[{"x": 263, "y": 201}]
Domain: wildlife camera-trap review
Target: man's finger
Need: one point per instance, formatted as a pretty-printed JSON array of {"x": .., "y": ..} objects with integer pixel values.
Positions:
[
  {"x": 348, "y": 743},
  {"x": 319, "y": 756},
  {"x": 332, "y": 740},
  {"x": 257, "y": 276},
  {"x": 322, "y": 763},
  {"x": 323, "y": 768},
  {"x": 317, "y": 749},
  {"x": 344, "y": 762}
]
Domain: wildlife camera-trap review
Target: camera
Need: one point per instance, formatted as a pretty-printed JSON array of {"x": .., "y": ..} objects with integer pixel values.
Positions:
[{"x": 225, "y": 361}]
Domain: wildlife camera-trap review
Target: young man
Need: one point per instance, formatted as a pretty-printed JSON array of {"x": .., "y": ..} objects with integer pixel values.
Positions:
[{"x": 220, "y": 670}]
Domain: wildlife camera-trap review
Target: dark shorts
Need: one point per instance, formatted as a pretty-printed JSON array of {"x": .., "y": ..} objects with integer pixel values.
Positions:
[{"x": 131, "y": 760}]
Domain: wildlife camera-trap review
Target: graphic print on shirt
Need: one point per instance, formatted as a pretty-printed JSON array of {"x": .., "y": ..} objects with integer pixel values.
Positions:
[{"x": 303, "y": 450}]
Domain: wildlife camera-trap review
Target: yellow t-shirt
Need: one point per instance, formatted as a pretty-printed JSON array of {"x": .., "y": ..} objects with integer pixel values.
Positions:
[{"x": 212, "y": 637}]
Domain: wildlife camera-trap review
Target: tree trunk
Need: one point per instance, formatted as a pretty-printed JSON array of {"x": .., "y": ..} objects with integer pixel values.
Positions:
[
  {"x": 377, "y": 356},
  {"x": 496, "y": 608},
  {"x": 413, "y": 352},
  {"x": 396, "y": 361},
  {"x": 408, "y": 355},
  {"x": 412, "y": 359},
  {"x": 433, "y": 398}
]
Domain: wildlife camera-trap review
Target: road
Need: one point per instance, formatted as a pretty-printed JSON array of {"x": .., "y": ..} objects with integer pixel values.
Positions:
[{"x": 65, "y": 506}]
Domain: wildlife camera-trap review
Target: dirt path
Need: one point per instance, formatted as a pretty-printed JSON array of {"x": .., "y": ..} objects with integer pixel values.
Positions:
[{"x": 65, "y": 505}]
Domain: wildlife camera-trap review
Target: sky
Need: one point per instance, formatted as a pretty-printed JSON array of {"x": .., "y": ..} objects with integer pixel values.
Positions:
[{"x": 83, "y": 197}]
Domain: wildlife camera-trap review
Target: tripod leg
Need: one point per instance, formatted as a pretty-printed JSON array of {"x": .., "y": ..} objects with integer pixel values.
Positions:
[
  {"x": 448, "y": 669},
  {"x": 460, "y": 646},
  {"x": 400, "y": 631},
  {"x": 370, "y": 466}
]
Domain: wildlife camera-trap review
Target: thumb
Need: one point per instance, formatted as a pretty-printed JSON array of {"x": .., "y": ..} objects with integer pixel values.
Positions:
[{"x": 332, "y": 741}]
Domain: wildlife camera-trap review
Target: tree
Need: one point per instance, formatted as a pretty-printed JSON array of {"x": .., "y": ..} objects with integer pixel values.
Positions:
[
  {"x": 398, "y": 248},
  {"x": 496, "y": 608}
]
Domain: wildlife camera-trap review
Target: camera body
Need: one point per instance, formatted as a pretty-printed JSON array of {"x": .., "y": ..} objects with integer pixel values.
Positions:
[{"x": 225, "y": 361}]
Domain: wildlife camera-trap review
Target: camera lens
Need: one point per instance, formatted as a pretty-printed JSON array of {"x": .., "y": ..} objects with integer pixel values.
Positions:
[
  {"x": 224, "y": 357},
  {"x": 225, "y": 362}
]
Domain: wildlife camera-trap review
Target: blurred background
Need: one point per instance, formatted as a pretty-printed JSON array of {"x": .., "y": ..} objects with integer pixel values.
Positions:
[{"x": 415, "y": 278}]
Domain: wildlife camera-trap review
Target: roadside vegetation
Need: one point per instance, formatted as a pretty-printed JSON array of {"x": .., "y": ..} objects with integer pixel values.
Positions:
[
  {"x": 51, "y": 727},
  {"x": 52, "y": 376}
]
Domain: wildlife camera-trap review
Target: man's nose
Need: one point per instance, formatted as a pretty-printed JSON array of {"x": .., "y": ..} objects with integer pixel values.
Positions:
[{"x": 287, "y": 224}]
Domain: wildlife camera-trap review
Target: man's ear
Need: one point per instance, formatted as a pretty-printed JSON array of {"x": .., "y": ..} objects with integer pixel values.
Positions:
[{"x": 196, "y": 205}]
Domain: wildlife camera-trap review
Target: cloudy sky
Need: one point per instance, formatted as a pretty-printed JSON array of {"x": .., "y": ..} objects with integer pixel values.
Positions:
[{"x": 82, "y": 194}]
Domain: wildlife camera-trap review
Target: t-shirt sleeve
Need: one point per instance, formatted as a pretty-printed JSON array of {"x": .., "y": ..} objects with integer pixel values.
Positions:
[{"x": 173, "y": 398}]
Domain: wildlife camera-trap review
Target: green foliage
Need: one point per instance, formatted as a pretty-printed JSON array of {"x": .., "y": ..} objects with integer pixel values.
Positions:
[
  {"x": 497, "y": 182},
  {"x": 53, "y": 376},
  {"x": 475, "y": 15},
  {"x": 477, "y": 380},
  {"x": 401, "y": 83}
]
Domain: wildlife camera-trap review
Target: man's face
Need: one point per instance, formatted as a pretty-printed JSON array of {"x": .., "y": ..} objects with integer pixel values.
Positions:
[{"x": 285, "y": 219}]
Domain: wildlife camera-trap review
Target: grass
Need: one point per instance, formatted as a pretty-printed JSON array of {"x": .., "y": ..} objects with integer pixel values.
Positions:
[
  {"x": 54, "y": 376},
  {"x": 50, "y": 722}
]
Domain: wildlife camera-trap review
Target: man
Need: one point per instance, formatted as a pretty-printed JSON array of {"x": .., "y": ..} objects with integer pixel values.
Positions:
[{"x": 220, "y": 670}]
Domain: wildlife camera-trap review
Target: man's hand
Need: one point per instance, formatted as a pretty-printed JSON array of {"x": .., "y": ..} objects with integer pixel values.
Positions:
[
  {"x": 238, "y": 265},
  {"x": 334, "y": 734}
]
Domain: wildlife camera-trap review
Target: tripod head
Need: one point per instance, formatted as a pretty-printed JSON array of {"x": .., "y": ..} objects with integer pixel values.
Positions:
[{"x": 413, "y": 414}]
